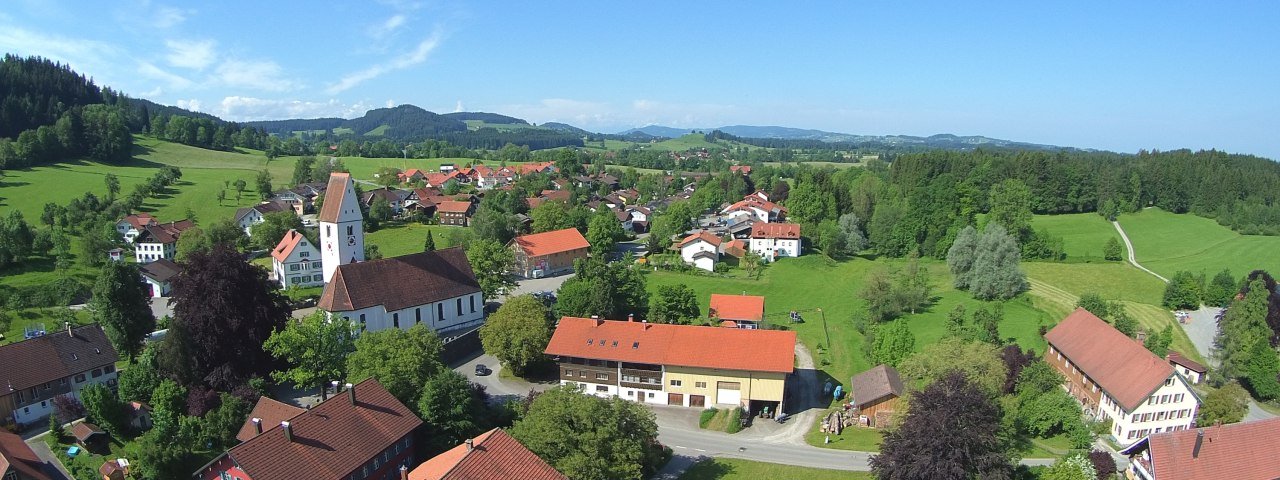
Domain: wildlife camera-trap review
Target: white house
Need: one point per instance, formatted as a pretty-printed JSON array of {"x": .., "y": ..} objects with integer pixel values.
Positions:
[
  {"x": 159, "y": 241},
  {"x": 296, "y": 262},
  {"x": 1190, "y": 369},
  {"x": 701, "y": 249},
  {"x": 1115, "y": 377},
  {"x": 775, "y": 240},
  {"x": 396, "y": 199},
  {"x": 130, "y": 226},
  {"x": 434, "y": 288},
  {"x": 247, "y": 217},
  {"x": 341, "y": 225},
  {"x": 60, "y": 362},
  {"x": 158, "y": 276},
  {"x": 762, "y": 210}
]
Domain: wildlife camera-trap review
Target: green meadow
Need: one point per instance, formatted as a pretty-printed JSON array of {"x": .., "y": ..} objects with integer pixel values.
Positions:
[{"x": 1168, "y": 242}]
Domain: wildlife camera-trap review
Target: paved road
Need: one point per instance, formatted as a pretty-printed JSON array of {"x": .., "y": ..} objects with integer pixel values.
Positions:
[
  {"x": 53, "y": 467},
  {"x": 1201, "y": 327},
  {"x": 1133, "y": 260},
  {"x": 533, "y": 285}
]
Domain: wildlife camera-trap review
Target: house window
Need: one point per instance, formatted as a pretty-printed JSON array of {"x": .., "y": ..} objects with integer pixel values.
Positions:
[
  {"x": 650, "y": 394},
  {"x": 1164, "y": 399},
  {"x": 631, "y": 393},
  {"x": 417, "y": 315},
  {"x": 676, "y": 383},
  {"x": 472, "y": 300},
  {"x": 79, "y": 379},
  {"x": 459, "y": 307},
  {"x": 316, "y": 265},
  {"x": 97, "y": 372},
  {"x": 700, "y": 384},
  {"x": 304, "y": 254},
  {"x": 108, "y": 369},
  {"x": 294, "y": 267},
  {"x": 602, "y": 376},
  {"x": 582, "y": 374},
  {"x": 395, "y": 320},
  {"x": 362, "y": 321},
  {"x": 568, "y": 373},
  {"x": 317, "y": 277},
  {"x": 602, "y": 388},
  {"x": 350, "y": 231},
  {"x": 439, "y": 312}
]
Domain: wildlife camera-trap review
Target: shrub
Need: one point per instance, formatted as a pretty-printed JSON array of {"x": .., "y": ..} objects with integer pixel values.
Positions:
[
  {"x": 735, "y": 421},
  {"x": 706, "y": 417}
]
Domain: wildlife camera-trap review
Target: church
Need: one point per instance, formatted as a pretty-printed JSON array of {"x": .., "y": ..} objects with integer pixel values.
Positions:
[{"x": 436, "y": 288}]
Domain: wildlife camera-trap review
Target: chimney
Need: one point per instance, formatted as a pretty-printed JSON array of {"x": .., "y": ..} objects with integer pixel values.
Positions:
[
  {"x": 631, "y": 317},
  {"x": 1195, "y": 452},
  {"x": 470, "y": 444},
  {"x": 336, "y": 386},
  {"x": 351, "y": 393},
  {"x": 68, "y": 324},
  {"x": 404, "y": 472},
  {"x": 257, "y": 425},
  {"x": 288, "y": 431}
]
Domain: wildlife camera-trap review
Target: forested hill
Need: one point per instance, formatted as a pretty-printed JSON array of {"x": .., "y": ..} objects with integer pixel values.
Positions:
[
  {"x": 493, "y": 118},
  {"x": 787, "y": 137}
]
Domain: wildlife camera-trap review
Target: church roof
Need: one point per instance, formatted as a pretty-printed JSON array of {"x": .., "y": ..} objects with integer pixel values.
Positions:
[{"x": 400, "y": 282}]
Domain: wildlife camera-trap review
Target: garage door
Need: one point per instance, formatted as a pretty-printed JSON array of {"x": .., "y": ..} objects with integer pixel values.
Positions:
[
  {"x": 675, "y": 399},
  {"x": 728, "y": 393},
  {"x": 697, "y": 401}
]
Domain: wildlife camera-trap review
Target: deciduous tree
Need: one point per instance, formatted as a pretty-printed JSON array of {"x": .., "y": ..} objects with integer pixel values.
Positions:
[
  {"x": 274, "y": 225},
  {"x": 584, "y": 436},
  {"x": 1112, "y": 250},
  {"x": 1182, "y": 292},
  {"x": 401, "y": 360},
  {"x": 996, "y": 274},
  {"x": 674, "y": 304},
  {"x": 103, "y": 408},
  {"x": 315, "y": 349},
  {"x": 450, "y": 409},
  {"x": 960, "y": 258},
  {"x": 492, "y": 263},
  {"x": 1227, "y": 404},
  {"x": 122, "y": 305},
  {"x": 977, "y": 360},
  {"x": 603, "y": 232},
  {"x": 893, "y": 343},
  {"x": 517, "y": 333}
]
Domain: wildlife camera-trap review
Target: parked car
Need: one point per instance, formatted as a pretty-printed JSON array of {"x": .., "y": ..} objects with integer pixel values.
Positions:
[{"x": 482, "y": 370}]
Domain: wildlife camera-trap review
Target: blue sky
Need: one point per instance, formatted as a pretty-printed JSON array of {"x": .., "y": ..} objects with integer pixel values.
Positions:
[{"x": 1115, "y": 75}]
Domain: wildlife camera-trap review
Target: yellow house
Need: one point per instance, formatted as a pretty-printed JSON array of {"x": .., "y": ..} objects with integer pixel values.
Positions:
[{"x": 685, "y": 365}]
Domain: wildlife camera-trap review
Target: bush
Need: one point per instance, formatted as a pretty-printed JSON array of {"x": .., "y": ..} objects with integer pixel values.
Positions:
[
  {"x": 706, "y": 417},
  {"x": 735, "y": 421}
]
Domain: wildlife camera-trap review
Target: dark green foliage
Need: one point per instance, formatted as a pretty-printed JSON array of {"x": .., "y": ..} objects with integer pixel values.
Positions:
[
  {"x": 16, "y": 238},
  {"x": 220, "y": 425},
  {"x": 430, "y": 244},
  {"x": 491, "y": 223},
  {"x": 314, "y": 350},
  {"x": 587, "y": 437},
  {"x": 1112, "y": 251},
  {"x": 141, "y": 378},
  {"x": 892, "y": 343},
  {"x": 608, "y": 290},
  {"x": 1240, "y": 330},
  {"x": 450, "y": 408},
  {"x": 400, "y": 360},
  {"x": 1158, "y": 342},
  {"x": 122, "y": 306},
  {"x": 379, "y": 210},
  {"x": 995, "y": 274},
  {"x": 674, "y": 304},
  {"x": 1221, "y": 290},
  {"x": 103, "y": 408},
  {"x": 518, "y": 333},
  {"x": 492, "y": 263},
  {"x": 604, "y": 232},
  {"x": 1183, "y": 291},
  {"x": 1041, "y": 245},
  {"x": 1227, "y": 404},
  {"x": 892, "y": 292},
  {"x": 1261, "y": 369},
  {"x": 272, "y": 229}
]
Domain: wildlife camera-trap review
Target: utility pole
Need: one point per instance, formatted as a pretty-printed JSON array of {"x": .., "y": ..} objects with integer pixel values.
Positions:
[{"x": 824, "y": 328}]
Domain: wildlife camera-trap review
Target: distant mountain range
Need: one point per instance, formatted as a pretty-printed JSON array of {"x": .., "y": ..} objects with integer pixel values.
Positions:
[{"x": 942, "y": 141}]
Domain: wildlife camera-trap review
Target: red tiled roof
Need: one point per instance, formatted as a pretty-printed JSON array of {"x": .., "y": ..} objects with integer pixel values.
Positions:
[
  {"x": 16, "y": 454},
  {"x": 400, "y": 282},
  {"x": 334, "y": 193},
  {"x": 270, "y": 413},
  {"x": 775, "y": 230},
  {"x": 139, "y": 220},
  {"x": 83, "y": 431},
  {"x": 331, "y": 440},
  {"x": 1180, "y": 359},
  {"x": 735, "y": 248},
  {"x": 555, "y": 241},
  {"x": 744, "y": 169},
  {"x": 1238, "y": 451},
  {"x": 678, "y": 345},
  {"x": 164, "y": 232},
  {"x": 701, "y": 235},
  {"x": 737, "y": 307},
  {"x": 494, "y": 455},
  {"x": 286, "y": 245},
  {"x": 453, "y": 206},
  {"x": 1118, "y": 364},
  {"x": 54, "y": 355}
]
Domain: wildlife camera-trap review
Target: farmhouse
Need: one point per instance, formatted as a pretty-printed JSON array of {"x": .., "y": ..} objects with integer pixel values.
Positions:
[
  {"x": 363, "y": 433},
  {"x": 875, "y": 395},
  {"x": 158, "y": 276},
  {"x": 247, "y": 217},
  {"x": 295, "y": 262},
  {"x": 548, "y": 253},
  {"x": 1116, "y": 378},
  {"x": 436, "y": 288},
  {"x": 302, "y": 197},
  {"x": 57, "y": 363},
  {"x": 1189, "y": 369},
  {"x": 494, "y": 455},
  {"x": 412, "y": 175},
  {"x": 1238, "y": 451},
  {"x": 159, "y": 240},
  {"x": 131, "y": 225},
  {"x": 701, "y": 249},
  {"x": 453, "y": 212},
  {"x": 685, "y": 365},
  {"x": 775, "y": 240},
  {"x": 18, "y": 461},
  {"x": 738, "y": 311},
  {"x": 760, "y": 210}
]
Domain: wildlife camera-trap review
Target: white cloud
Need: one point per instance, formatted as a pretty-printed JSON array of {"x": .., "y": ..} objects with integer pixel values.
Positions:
[
  {"x": 255, "y": 74},
  {"x": 193, "y": 104},
  {"x": 396, "y": 21},
  {"x": 458, "y": 108},
  {"x": 245, "y": 109},
  {"x": 418, "y": 55},
  {"x": 81, "y": 54},
  {"x": 191, "y": 54},
  {"x": 153, "y": 93},
  {"x": 176, "y": 82},
  {"x": 167, "y": 17},
  {"x": 390, "y": 103}
]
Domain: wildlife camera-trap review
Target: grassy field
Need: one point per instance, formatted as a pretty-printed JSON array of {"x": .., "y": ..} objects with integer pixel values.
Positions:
[
  {"x": 734, "y": 469},
  {"x": 1083, "y": 234},
  {"x": 403, "y": 239},
  {"x": 50, "y": 318},
  {"x": 818, "y": 164},
  {"x": 1168, "y": 242}
]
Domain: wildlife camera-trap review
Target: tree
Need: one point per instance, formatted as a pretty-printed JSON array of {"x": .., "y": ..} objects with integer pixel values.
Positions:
[
  {"x": 1261, "y": 370},
  {"x": 950, "y": 432},
  {"x": 220, "y": 425},
  {"x": 263, "y": 184},
  {"x": 122, "y": 305},
  {"x": 1072, "y": 467},
  {"x": 168, "y": 402},
  {"x": 315, "y": 348},
  {"x": 16, "y": 238},
  {"x": 1104, "y": 465},
  {"x": 240, "y": 185},
  {"x": 1047, "y": 414},
  {"x": 273, "y": 228},
  {"x": 430, "y": 244},
  {"x": 1240, "y": 329},
  {"x": 550, "y": 216},
  {"x": 675, "y": 304},
  {"x": 492, "y": 264},
  {"x": 1112, "y": 251},
  {"x": 893, "y": 342},
  {"x": 1182, "y": 292},
  {"x": 387, "y": 176},
  {"x": 450, "y": 409},
  {"x": 141, "y": 378},
  {"x": 588, "y": 437},
  {"x": 851, "y": 231},
  {"x": 517, "y": 333},
  {"x": 1010, "y": 204},
  {"x": 302, "y": 169},
  {"x": 608, "y": 290},
  {"x": 224, "y": 309},
  {"x": 604, "y": 232},
  {"x": 103, "y": 408},
  {"x": 491, "y": 223},
  {"x": 1227, "y": 404},
  {"x": 995, "y": 274},
  {"x": 1221, "y": 289},
  {"x": 979, "y": 361},
  {"x": 961, "y": 255},
  {"x": 113, "y": 186},
  {"x": 380, "y": 209},
  {"x": 160, "y": 457},
  {"x": 1158, "y": 343},
  {"x": 401, "y": 360}
]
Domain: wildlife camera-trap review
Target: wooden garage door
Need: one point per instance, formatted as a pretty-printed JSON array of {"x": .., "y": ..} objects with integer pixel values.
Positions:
[
  {"x": 675, "y": 399},
  {"x": 697, "y": 401},
  {"x": 728, "y": 393}
]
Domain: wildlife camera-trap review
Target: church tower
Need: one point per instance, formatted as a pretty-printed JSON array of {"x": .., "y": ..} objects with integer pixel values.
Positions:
[{"x": 341, "y": 225}]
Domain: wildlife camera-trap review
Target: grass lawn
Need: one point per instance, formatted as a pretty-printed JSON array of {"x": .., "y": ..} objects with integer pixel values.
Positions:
[
  {"x": 734, "y": 469},
  {"x": 1052, "y": 447},
  {"x": 1168, "y": 242},
  {"x": 857, "y": 439},
  {"x": 50, "y": 318},
  {"x": 1083, "y": 234},
  {"x": 85, "y": 465},
  {"x": 1113, "y": 280},
  {"x": 403, "y": 239}
]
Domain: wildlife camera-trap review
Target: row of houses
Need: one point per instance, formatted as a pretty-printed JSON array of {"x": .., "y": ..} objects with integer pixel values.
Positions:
[
  {"x": 482, "y": 176},
  {"x": 770, "y": 241}
]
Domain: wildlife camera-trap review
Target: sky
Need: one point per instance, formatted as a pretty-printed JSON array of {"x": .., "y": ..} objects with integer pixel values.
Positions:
[{"x": 1119, "y": 76}]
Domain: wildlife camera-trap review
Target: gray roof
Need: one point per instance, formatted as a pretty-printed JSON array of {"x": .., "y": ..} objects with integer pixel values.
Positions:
[{"x": 872, "y": 386}]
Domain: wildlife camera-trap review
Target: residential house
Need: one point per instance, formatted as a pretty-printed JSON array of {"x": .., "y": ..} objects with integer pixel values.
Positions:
[
  {"x": 761, "y": 194},
  {"x": 158, "y": 276},
  {"x": 639, "y": 222},
  {"x": 19, "y": 462},
  {"x": 130, "y": 226},
  {"x": 412, "y": 175},
  {"x": 734, "y": 248},
  {"x": 702, "y": 249},
  {"x": 775, "y": 240},
  {"x": 629, "y": 196},
  {"x": 1236, "y": 451},
  {"x": 63, "y": 362},
  {"x": 139, "y": 415},
  {"x": 493, "y": 455},
  {"x": 159, "y": 241},
  {"x": 296, "y": 262},
  {"x": 247, "y": 217},
  {"x": 1116, "y": 378},
  {"x": 737, "y": 311},
  {"x": 420, "y": 199},
  {"x": 116, "y": 254},
  {"x": 453, "y": 212},
  {"x": 535, "y": 167},
  {"x": 436, "y": 288},
  {"x": 448, "y": 168},
  {"x": 395, "y": 198},
  {"x": 874, "y": 395},
  {"x": 685, "y": 365},
  {"x": 363, "y": 433},
  {"x": 759, "y": 210},
  {"x": 301, "y": 198},
  {"x": 1190, "y": 369},
  {"x": 548, "y": 253},
  {"x": 743, "y": 169}
]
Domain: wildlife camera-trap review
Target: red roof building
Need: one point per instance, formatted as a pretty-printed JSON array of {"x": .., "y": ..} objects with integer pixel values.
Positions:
[
  {"x": 744, "y": 311},
  {"x": 1237, "y": 451},
  {"x": 266, "y": 414},
  {"x": 453, "y": 212},
  {"x": 436, "y": 288},
  {"x": 18, "y": 462},
  {"x": 1190, "y": 369},
  {"x": 363, "y": 432},
  {"x": 494, "y": 455},
  {"x": 548, "y": 253}
]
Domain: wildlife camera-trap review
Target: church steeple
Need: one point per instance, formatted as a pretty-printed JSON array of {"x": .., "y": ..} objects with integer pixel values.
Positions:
[{"x": 341, "y": 225}]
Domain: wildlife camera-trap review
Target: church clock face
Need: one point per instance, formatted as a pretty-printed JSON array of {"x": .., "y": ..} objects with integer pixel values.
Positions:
[
  {"x": 328, "y": 246},
  {"x": 351, "y": 241}
]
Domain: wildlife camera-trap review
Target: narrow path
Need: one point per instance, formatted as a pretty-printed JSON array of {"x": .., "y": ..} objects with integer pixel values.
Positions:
[
  {"x": 46, "y": 454},
  {"x": 1133, "y": 260}
]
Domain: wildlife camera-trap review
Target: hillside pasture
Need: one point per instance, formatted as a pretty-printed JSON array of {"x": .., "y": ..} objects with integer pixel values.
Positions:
[
  {"x": 1083, "y": 234},
  {"x": 1168, "y": 242}
]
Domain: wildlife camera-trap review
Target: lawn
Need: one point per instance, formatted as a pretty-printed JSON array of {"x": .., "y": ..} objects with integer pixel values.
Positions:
[
  {"x": 406, "y": 238},
  {"x": 1113, "y": 280},
  {"x": 856, "y": 439},
  {"x": 1083, "y": 234},
  {"x": 50, "y": 318},
  {"x": 734, "y": 469},
  {"x": 1168, "y": 242}
]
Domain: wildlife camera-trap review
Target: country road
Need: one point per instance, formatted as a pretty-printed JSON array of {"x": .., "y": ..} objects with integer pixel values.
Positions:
[{"x": 1133, "y": 259}]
